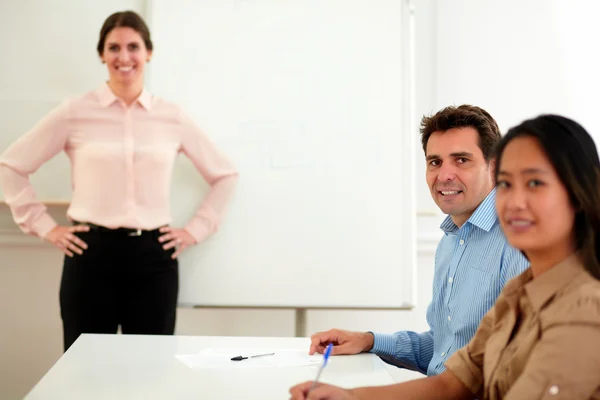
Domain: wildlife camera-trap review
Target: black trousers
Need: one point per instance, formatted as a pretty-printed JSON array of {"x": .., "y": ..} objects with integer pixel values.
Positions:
[{"x": 119, "y": 280}]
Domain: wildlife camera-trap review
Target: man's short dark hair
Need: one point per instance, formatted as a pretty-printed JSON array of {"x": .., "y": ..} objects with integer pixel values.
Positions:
[{"x": 461, "y": 117}]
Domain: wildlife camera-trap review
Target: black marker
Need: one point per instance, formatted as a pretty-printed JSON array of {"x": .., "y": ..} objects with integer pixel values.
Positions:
[{"x": 240, "y": 358}]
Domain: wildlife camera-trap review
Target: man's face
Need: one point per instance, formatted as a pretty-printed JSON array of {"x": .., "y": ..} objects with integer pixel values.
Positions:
[{"x": 457, "y": 174}]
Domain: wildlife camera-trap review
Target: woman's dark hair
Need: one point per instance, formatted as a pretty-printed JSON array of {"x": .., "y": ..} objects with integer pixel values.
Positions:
[
  {"x": 124, "y": 19},
  {"x": 572, "y": 153}
]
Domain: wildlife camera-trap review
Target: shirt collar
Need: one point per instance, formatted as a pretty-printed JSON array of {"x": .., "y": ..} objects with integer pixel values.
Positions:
[
  {"x": 106, "y": 97},
  {"x": 484, "y": 216},
  {"x": 548, "y": 284}
]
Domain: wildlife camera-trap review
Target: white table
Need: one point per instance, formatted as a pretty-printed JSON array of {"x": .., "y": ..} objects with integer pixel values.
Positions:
[{"x": 145, "y": 367}]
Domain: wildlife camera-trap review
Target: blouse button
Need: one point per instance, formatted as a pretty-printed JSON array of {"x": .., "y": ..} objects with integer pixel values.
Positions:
[{"x": 553, "y": 390}]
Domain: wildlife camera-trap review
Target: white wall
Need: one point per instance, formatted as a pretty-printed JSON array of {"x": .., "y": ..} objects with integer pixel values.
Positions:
[
  {"x": 425, "y": 92},
  {"x": 519, "y": 58}
]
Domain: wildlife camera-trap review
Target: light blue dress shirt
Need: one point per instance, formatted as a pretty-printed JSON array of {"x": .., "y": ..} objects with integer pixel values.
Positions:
[{"x": 472, "y": 265}]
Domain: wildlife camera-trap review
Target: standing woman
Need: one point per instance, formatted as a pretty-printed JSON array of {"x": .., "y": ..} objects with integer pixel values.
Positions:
[
  {"x": 540, "y": 340},
  {"x": 120, "y": 265}
]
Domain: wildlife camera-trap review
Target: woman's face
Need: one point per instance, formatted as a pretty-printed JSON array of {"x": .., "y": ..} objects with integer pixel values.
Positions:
[
  {"x": 532, "y": 203},
  {"x": 125, "y": 55}
]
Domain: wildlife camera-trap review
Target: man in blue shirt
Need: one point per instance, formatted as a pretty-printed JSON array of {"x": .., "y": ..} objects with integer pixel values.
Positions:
[{"x": 473, "y": 260}]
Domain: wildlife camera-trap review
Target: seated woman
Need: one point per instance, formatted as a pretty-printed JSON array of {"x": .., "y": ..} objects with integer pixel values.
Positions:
[{"x": 541, "y": 340}]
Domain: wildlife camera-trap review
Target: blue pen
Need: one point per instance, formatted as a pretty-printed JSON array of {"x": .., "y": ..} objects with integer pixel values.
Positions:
[{"x": 325, "y": 358}]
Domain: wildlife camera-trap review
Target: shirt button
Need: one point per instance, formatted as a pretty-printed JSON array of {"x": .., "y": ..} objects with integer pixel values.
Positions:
[
  {"x": 449, "y": 319},
  {"x": 450, "y": 280},
  {"x": 461, "y": 242},
  {"x": 553, "y": 390},
  {"x": 443, "y": 353}
]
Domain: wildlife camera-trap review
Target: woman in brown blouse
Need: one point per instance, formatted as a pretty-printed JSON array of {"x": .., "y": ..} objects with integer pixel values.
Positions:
[{"x": 541, "y": 340}]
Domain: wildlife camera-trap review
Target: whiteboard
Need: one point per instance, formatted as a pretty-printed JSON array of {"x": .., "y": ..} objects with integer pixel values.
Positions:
[{"x": 310, "y": 100}]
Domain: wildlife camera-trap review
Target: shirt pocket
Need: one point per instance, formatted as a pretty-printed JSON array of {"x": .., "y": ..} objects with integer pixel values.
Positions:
[{"x": 475, "y": 296}]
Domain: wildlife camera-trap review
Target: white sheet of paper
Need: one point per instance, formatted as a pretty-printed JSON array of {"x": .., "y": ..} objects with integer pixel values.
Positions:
[{"x": 221, "y": 358}]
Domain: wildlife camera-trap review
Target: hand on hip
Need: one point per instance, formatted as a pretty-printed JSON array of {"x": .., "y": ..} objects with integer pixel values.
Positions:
[
  {"x": 65, "y": 239},
  {"x": 176, "y": 238}
]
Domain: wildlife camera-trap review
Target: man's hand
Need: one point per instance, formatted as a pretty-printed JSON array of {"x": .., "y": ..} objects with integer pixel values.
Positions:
[
  {"x": 321, "y": 392},
  {"x": 344, "y": 342},
  {"x": 64, "y": 238},
  {"x": 174, "y": 237}
]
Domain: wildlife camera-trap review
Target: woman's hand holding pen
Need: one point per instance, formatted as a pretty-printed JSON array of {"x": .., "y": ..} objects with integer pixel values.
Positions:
[
  {"x": 65, "y": 239},
  {"x": 175, "y": 237},
  {"x": 304, "y": 391}
]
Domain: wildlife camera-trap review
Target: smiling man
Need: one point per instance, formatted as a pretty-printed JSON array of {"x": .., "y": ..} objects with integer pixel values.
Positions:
[{"x": 473, "y": 261}]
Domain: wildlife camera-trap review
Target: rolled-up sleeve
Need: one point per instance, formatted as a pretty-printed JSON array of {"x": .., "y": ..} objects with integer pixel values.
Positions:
[
  {"x": 565, "y": 363},
  {"x": 405, "y": 349}
]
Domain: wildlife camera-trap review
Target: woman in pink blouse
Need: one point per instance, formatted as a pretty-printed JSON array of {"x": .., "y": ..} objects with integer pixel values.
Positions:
[{"x": 120, "y": 265}]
